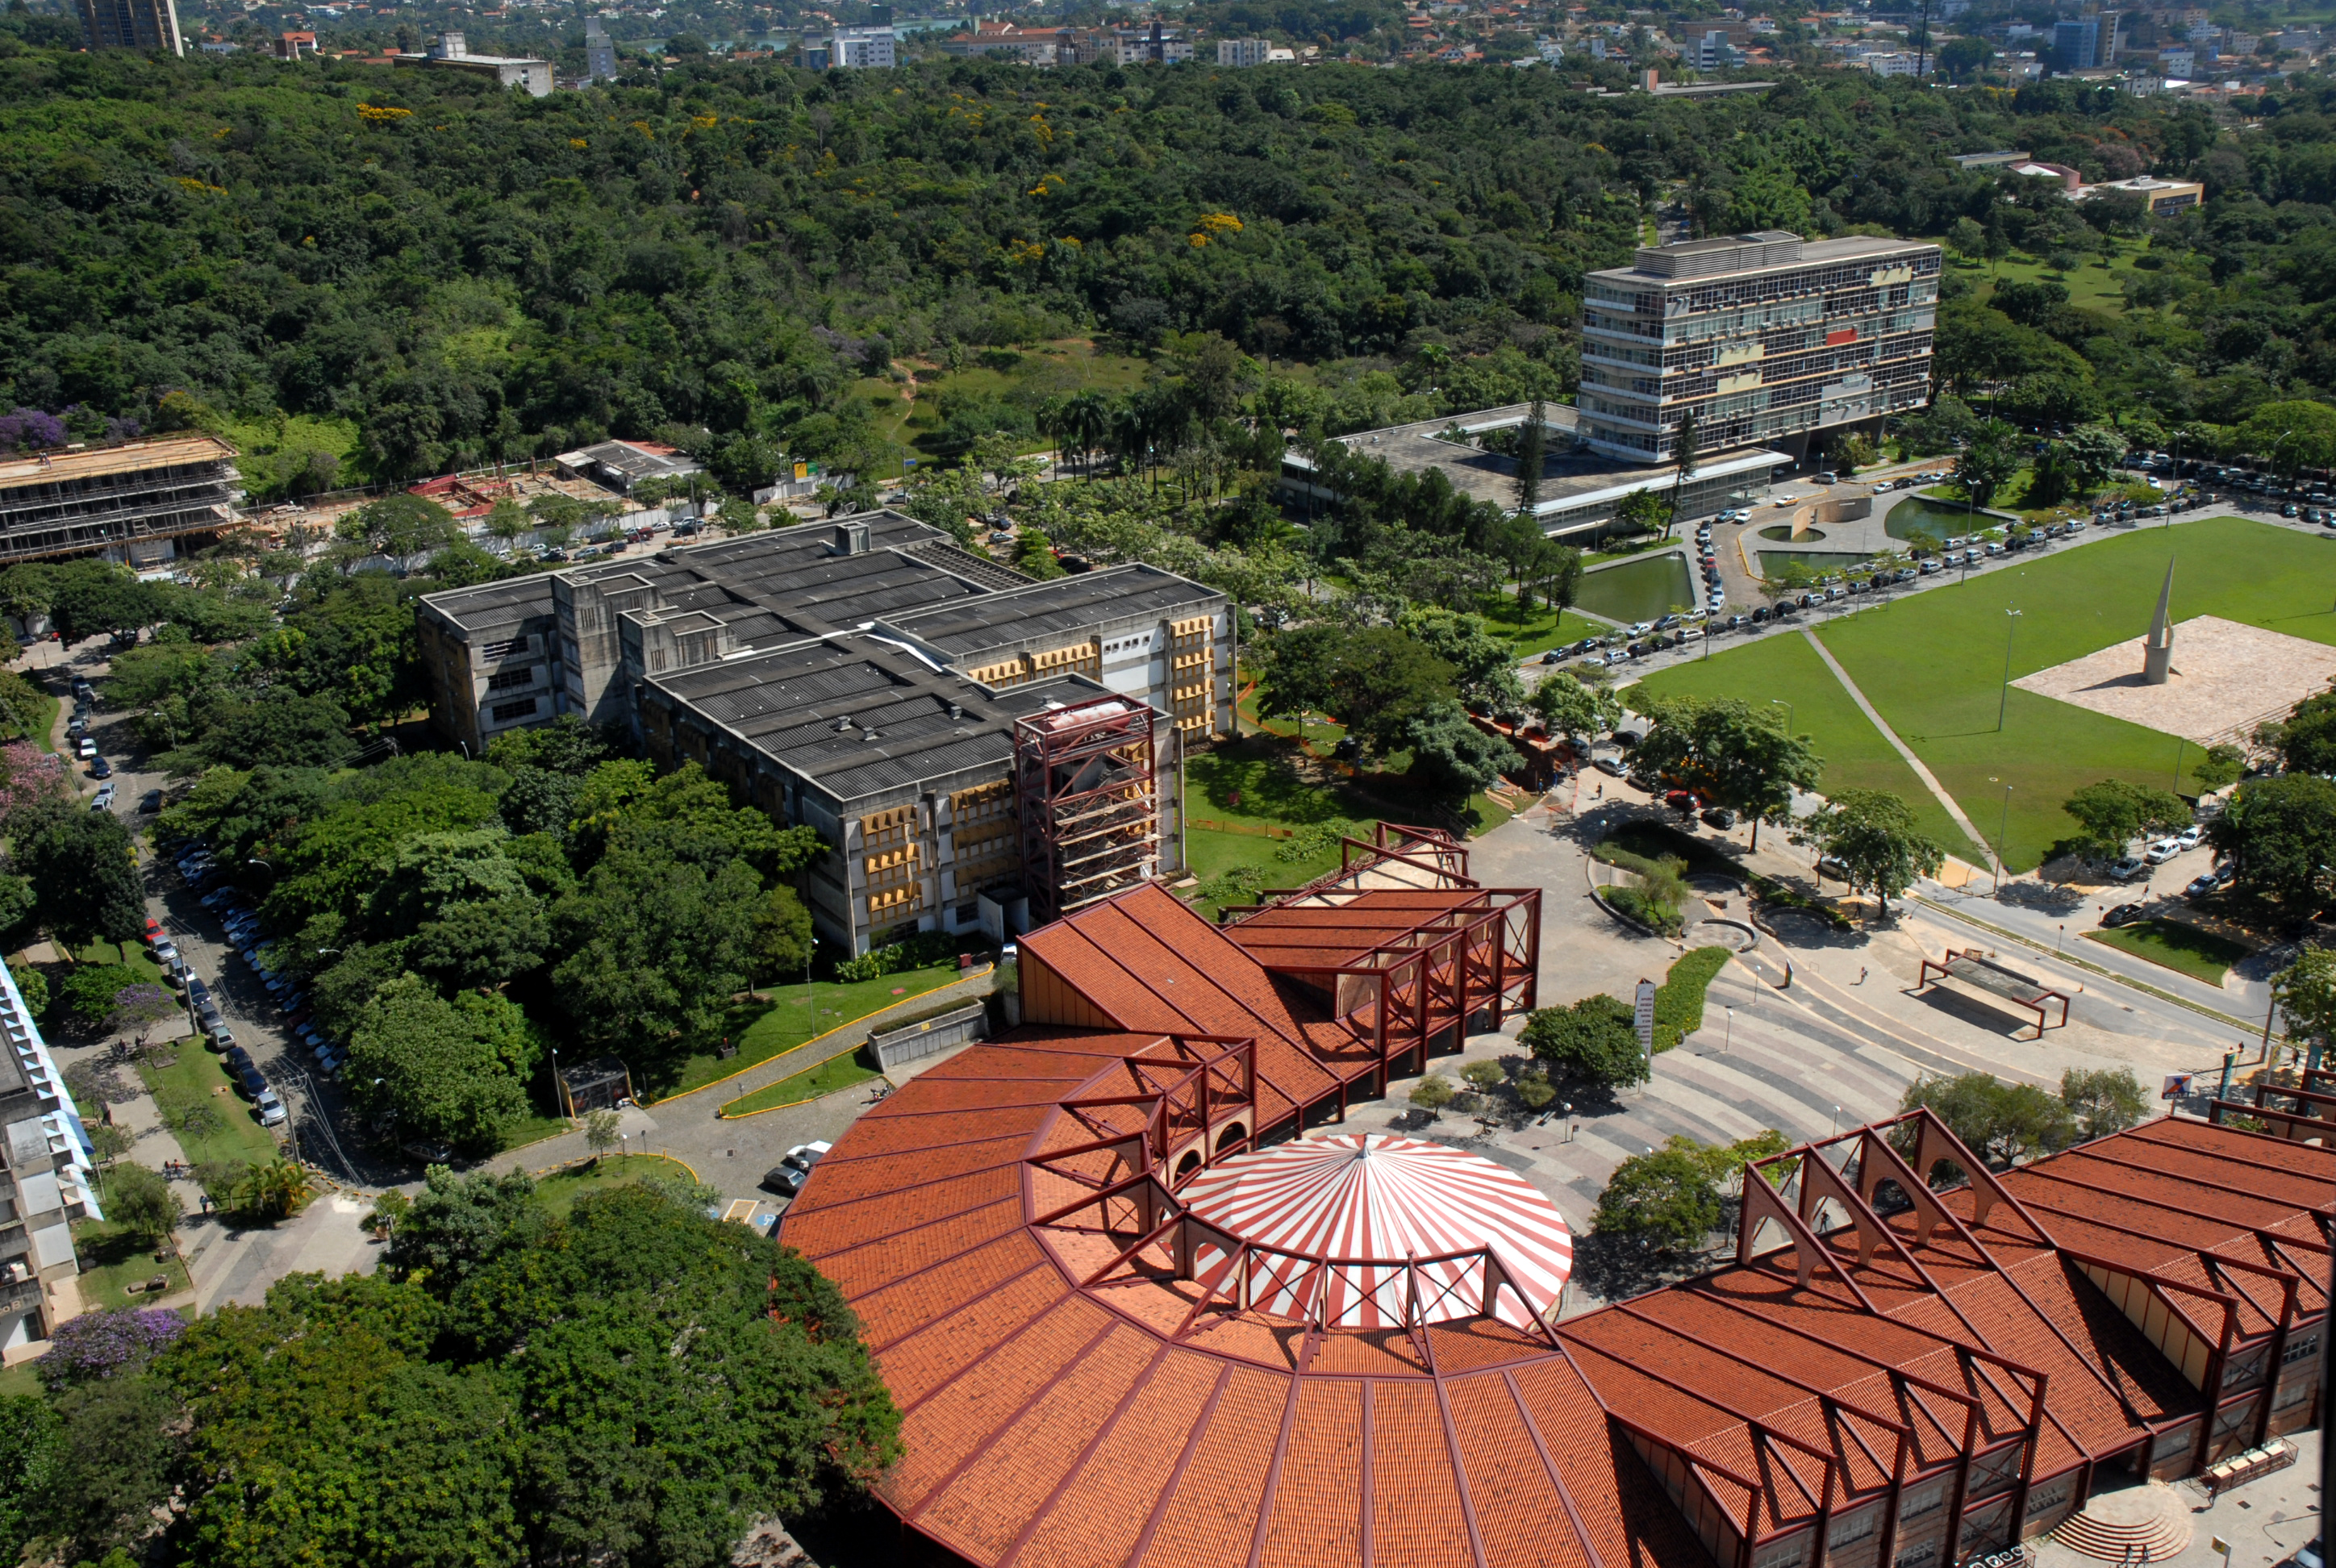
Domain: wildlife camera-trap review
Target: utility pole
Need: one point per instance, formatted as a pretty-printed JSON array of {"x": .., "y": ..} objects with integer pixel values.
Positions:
[{"x": 2003, "y": 697}]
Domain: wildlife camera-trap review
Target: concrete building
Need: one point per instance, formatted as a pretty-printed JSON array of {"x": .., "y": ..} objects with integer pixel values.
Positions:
[
  {"x": 863, "y": 49},
  {"x": 1156, "y": 44},
  {"x": 599, "y": 52},
  {"x": 2162, "y": 197},
  {"x": 1243, "y": 51},
  {"x": 1766, "y": 338},
  {"x": 1580, "y": 485},
  {"x": 1987, "y": 160},
  {"x": 132, "y": 502},
  {"x": 44, "y": 1189},
  {"x": 452, "y": 53},
  {"x": 870, "y": 678},
  {"x": 150, "y": 24}
]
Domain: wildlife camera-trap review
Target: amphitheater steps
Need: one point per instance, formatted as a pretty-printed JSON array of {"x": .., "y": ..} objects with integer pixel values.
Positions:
[{"x": 2135, "y": 1524}]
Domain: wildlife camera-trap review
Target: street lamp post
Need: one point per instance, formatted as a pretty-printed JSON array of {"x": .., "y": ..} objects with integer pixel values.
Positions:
[
  {"x": 2003, "y": 697},
  {"x": 1780, "y": 702}
]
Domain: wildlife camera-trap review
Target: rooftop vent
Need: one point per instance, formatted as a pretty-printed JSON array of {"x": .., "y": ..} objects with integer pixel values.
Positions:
[
  {"x": 956, "y": 710},
  {"x": 867, "y": 735},
  {"x": 843, "y": 725},
  {"x": 850, "y": 539}
]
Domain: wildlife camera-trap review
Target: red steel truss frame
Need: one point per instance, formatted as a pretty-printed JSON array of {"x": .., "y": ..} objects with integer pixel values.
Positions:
[{"x": 1086, "y": 791}]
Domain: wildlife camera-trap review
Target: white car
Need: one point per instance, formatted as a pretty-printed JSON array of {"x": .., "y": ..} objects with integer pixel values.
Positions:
[
  {"x": 1787, "y": 500},
  {"x": 2163, "y": 850},
  {"x": 2190, "y": 838}
]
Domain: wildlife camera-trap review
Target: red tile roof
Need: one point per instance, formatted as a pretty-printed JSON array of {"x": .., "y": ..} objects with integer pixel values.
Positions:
[{"x": 1068, "y": 1399}]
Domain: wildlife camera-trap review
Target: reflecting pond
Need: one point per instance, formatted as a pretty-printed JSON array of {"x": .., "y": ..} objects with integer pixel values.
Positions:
[
  {"x": 1938, "y": 519},
  {"x": 1775, "y": 561},
  {"x": 1785, "y": 531},
  {"x": 1638, "y": 590}
]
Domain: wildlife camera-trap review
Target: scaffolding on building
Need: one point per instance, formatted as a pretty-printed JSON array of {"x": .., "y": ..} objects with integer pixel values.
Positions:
[{"x": 1087, "y": 792}]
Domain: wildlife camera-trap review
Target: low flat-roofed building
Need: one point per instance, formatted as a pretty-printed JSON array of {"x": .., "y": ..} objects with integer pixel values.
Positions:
[
  {"x": 663, "y": 647},
  {"x": 1580, "y": 487},
  {"x": 619, "y": 466},
  {"x": 451, "y": 53},
  {"x": 2160, "y": 196},
  {"x": 130, "y": 501},
  {"x": 1986, "y": 160}
]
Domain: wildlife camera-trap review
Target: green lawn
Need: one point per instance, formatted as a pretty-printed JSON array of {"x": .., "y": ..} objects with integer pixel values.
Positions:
[
  {"x": 117, "y": 1262},
  {"x": 197, "y": 1078},
  {"x": 533, "y": 1128},
  {"x": 1065, "y": 367},
  {"x": 790, "y": 1014},
  {"x": 21, "y": 1378},
  {"x": 2184, "y": 948},
  {"x": 2091, "y": 287},
  {"x": 128, "y": 954},
  {"x": 561, "y": 1189},
  {"x": 1787, "y": 669},
  {"x": 1933, "y": 664},
  {"x": 1538, "y": 632},
  {"x": 812, "y": 1083}
]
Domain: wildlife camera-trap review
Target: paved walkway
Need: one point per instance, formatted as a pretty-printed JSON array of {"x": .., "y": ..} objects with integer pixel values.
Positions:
[{"x": 1930, "y": 780}]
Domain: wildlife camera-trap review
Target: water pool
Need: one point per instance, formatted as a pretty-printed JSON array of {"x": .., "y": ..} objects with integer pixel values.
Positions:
[
  {"x": 1638, "y": 589},
  {"x": 1940, "y": 520},
  {"x": 1785, "y": 531},
  {"x": 1774, "y": 561}
]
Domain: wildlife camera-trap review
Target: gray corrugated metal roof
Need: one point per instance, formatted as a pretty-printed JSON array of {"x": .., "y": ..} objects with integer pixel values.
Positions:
[
  {"x": 494, "y": 606},
  {"x": 1066, "y": 604}
]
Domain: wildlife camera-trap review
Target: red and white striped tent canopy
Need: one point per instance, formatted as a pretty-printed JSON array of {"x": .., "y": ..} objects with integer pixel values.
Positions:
[{"x": 1360, "y": 1231}]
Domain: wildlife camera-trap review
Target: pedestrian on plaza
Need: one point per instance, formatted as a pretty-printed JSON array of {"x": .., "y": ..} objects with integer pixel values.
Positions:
[{"x": 1861, "y": 974}]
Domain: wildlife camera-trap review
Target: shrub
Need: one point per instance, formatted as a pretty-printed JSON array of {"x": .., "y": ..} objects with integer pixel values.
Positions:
[
  {"x": 1678, "y": 1000},
  {"x": 1316, "y": 839},
  {"x": 1431, "y": 1093},
  {"x": 1632, "y": 903}
]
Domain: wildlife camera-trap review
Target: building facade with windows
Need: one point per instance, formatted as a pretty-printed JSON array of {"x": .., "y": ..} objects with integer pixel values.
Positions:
[
  {"x": 149, "y": 24},
  {"x": 45, "y": 1188},
  {"x": 1765, "y": 339},
  {"x": 870, "y": 679},
  {"x": 863, "y": 49}
]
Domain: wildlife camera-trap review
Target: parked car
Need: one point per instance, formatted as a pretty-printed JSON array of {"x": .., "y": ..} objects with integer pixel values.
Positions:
[
  {"x": 1611, "y": 766},
  {"x": 2128, "y": 869},
  {"x": 150, "y": 802},
  {"x": 85, "y": 748},
  {"x": 1719, "y": 817},
  {"x": 1828, "y": 866},
  {"x": 2159, "y": 852},
  {"x": 789, "y": 1175},
  {"x": 222, "y": 1038},
  {"x": 103, "y": 801},
  {"x": 251, "y": 1080},
  {"x": 164, "y": 952},
  {"x": 2125, "y": 915},
  {"x": 270, "y": 1106},
  {"x": 2202, "y": 886},
  {"x": 2189, "y": 837}
]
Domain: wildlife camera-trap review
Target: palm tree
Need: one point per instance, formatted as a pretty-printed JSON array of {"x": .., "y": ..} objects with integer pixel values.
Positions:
[
  {"x": 1131, "y": 434},
  {"x": 1683, "y": 456},
  {"x": 1086, "y": 422},
  {"x": 274, "y": 1190}
]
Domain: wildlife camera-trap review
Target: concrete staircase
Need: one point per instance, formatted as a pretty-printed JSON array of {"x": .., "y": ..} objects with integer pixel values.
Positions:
[{"x": 2135, "y": 1524}]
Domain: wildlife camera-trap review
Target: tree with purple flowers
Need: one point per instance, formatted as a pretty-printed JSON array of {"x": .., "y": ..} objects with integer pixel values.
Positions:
[
  {"x": 98, "y": 1345},
  {"x": 30, "y": 430}
]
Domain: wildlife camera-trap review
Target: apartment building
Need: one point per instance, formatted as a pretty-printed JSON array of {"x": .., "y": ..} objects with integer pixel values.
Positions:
[
  {"x": 451, "y": 52},
  {"x": 1765, "y": 337},
  {"x": 761, "y": 657},
  {"x": 1243, "y": 52},
  {"x": 863, "y": 49}
]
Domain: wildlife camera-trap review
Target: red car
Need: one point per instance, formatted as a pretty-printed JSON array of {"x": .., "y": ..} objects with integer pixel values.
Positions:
[
  {"x": 1682, "y": 801},
  {"x": 154, "y": 931}
]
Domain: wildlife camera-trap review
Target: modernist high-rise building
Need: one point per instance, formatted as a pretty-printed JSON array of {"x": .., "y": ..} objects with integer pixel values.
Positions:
[
  {"x": 132, "y": 25},
  {"x": 1768, "y": 339}
]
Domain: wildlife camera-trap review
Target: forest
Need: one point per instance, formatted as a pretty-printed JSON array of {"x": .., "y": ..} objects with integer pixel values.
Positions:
[{"x": 372, "y": 275}]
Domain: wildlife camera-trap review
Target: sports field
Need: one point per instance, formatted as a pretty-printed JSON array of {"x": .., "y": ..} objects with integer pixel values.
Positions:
[{"x": 1932, "y": 665}]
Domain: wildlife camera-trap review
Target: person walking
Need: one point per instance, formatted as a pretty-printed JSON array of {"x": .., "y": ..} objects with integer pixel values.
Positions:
[{"x": 1861, "y": 974}]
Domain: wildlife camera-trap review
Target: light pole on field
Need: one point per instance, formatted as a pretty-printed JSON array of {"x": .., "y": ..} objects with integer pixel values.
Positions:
[
  {"x": 2001, "y": 828},
  {"x": 1780, "y": 702}
]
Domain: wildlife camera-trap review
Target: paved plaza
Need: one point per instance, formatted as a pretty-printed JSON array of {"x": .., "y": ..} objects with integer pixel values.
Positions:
[{"x": 2228, "y": 678}]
